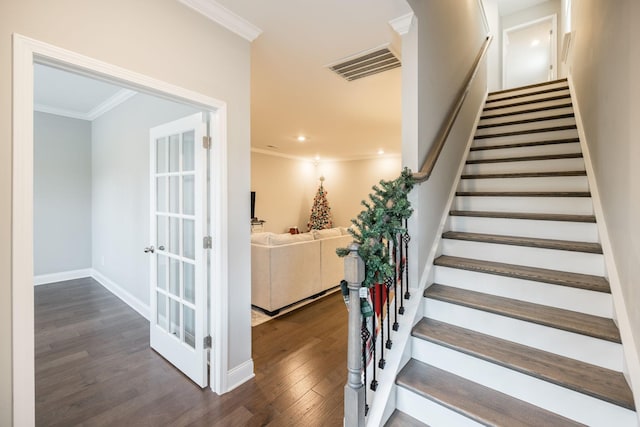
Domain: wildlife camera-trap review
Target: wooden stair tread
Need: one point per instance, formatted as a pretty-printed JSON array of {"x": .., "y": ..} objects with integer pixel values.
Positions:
[
  {"x": 595, "y": 381},
  {"x": 498, "y": 92},
  {"x": 400, "y": 419},
  {"x": 477, "y": 402},
  {"x": 526, "y": 94},
  {"x": 526, "y": 215},
  {"x": 534, "y": 101},
  {"x": 524, "y": 175},
  {"x": 570, "y": 321},
  {"x": 527, "y": 111},
  {"x": 524, "y": 193},
  {"x": 525, "y": 121},
  {"x": 562, "y": 278},
  {"x": 526, "y": 158},
  {"x": 562, "y": 245},
  {"x": 526, "y": 131},
  {"x": 525, "y": 144}
]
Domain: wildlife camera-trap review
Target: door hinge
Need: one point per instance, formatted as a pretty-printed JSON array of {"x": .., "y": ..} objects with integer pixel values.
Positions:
[
  {"x": 206, "y": 142},
  {"x": 207, "y": 242},
  {"x": 207, "y": 342}
]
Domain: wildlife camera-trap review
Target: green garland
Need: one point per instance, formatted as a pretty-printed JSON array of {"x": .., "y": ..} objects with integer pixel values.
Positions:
[{"x": 382, "y": 221}]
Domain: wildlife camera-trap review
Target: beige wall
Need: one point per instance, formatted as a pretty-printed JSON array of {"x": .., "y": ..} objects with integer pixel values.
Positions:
[
  {"x": 447, "y": 37},
  {"x": 285, "y": 187},
  {"x": 162, "y": 39},
  {"x": 605, "y": 67}
]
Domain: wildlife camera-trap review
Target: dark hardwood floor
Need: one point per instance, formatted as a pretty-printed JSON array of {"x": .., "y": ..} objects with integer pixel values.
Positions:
[{"x": 94, "y": 367}]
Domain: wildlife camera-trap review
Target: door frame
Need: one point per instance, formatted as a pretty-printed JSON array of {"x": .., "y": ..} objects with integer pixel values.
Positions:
[
  {"x": 26, "y": 52},
  {"x": 554, "y": 44}
]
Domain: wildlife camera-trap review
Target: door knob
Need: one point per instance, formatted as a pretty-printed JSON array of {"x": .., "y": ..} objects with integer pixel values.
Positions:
[{"x": 149, "y": 249}]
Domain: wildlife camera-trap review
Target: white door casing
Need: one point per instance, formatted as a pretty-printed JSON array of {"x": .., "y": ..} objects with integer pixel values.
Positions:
[{"x": 178, "y": 268}]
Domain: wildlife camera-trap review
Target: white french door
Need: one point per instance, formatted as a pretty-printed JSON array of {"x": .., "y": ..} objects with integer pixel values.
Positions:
[{"x": 178, "y": 300}]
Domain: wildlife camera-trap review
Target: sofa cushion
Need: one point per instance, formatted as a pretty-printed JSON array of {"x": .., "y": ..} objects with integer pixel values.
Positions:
[
  {"x": 261, "y": 238},
  {"x": 329, "y": 232},
  {"x": 286, "y": 238}
]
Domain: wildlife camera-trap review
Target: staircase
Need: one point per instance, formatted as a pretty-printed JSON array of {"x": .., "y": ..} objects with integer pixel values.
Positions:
[{"x": 517, "y": 327}]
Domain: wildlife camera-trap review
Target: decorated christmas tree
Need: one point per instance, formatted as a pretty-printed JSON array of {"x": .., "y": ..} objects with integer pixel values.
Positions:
[{"x": 320, "y": 211}]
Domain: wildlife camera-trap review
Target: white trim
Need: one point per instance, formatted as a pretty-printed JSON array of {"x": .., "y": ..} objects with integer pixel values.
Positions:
[
  {"x": 110, "y": 103},
  {"x": 223, "y": 16},
  {"x": 25, "y": 52},
  {"x": 240, "y": 374},
  {"x": 554, "y": 45},
  {"x": 402, "y": 24},
  {"x": 120, "y": 292},
  {"x": 631, "y": 357},
  {"x": 44, "y": 279}
]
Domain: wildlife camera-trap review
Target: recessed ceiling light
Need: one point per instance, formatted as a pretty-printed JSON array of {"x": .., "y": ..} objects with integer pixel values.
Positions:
[
  {"x": 535, "y": 42},
  {"x": 302, "y": 138},
  {"x": 381, "y": 151}
]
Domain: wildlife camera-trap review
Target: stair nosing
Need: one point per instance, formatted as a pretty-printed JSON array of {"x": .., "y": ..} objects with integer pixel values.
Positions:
[
  {"x": 589, "y": 219},
  {"x": 524, "y": 95},
  {"x": 527, "y": 111},
  {"x": 526, "y": 132},
  {"x": 543, "y": 275},
  {"x": 526, "y": 144},
  {"x": 525, "y": 312},
  {"x": 526, "y": 121},
  {"x": 552, "y": 82},
  {"x": 557, "y": 174},
  {"x": 526, "y": 158},
  {"x": 535, "y": 101},
  {"x": 421, "y": 329},
  {"x": 530, "y": 242},
  {"x": 523, "y": 194}
]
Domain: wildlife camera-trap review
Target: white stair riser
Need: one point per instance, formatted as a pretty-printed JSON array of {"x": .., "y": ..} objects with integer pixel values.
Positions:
[
  {"x": 561, "y": 84},
  {"x": 536, "y": 150},
  {"x": 526, "y": 126},
  {"x": 573, "y": 262},
  {"x": 564, "y": 183},
  {"x": 519, "y": 108},
  {"x": 529, "y": 98},
  {"x": 527, "y": 116},
  {"x": 559, "y": 230},
  {"x": 429, "y": 412},
  {"x": 554, "y": 398},
  {"x": 556, "y": 205},
  {"x": 576, "y": 346},
  {"x": 551, "y": 165},
  {"x": 527, "y": 137},
  {"x": 564, "y": 297}
]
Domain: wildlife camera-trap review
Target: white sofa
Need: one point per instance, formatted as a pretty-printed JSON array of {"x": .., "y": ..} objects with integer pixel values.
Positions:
[{"x": 287, "y": 268}]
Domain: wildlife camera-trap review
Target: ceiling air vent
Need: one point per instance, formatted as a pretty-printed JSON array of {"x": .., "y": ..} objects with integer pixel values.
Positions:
[{"x": 365, "y": 64}]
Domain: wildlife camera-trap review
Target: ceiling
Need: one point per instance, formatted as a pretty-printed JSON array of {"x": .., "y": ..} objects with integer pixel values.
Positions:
[{"x": 293, "y": 93}]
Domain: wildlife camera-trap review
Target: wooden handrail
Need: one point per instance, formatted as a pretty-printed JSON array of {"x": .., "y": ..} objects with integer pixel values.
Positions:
[{"x": 438, "y": 144}]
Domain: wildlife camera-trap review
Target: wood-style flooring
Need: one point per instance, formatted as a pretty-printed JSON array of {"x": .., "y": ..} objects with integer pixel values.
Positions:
[{"x": 94, "y": 367}]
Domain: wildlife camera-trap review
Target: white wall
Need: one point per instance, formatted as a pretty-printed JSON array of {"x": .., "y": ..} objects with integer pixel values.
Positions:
[
  {"x": 61, "y": 194},
  {"x": 604, "y": 69},
  {"x": 447, "y": 37},
  {"x": 120, "y": 182},
  {"x": 162, "y": 39},
  {"x": 285, "y": 187},
  {"x": 494, "y": 56}
]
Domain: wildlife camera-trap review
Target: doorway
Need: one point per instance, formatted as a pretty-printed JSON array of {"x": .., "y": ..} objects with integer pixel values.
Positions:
[
  {"x": 26, "y": 53},
  {"x": 529, "y": 53}
]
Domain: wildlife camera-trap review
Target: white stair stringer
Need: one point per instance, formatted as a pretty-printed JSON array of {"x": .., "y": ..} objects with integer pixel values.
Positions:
[{"x": 566, "y": 402}]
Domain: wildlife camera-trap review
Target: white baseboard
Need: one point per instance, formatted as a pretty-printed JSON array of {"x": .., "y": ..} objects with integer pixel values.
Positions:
[
  {"x": 121, "y": 293},
  {"x": 44, "y": 279},
  {"x": 240, "y": 374}
]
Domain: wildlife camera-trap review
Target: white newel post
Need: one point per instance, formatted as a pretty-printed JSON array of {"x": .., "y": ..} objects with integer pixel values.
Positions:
[{"x": 354, "y": 403}]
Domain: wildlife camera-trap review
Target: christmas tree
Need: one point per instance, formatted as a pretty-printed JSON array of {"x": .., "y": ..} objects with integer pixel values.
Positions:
[{"x": 320, "y": 211}]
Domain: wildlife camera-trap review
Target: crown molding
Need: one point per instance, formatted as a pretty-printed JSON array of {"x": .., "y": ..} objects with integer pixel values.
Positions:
[
  {"x": 402, "y": 24},
  {"x": 325, "y": 160},
  {"x": 223, "y": 16},
  {"x": 112, "y": 102}
]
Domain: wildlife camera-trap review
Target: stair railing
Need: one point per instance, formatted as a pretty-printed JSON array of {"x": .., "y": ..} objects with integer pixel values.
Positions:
[{"x": 367, "y": 324}]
